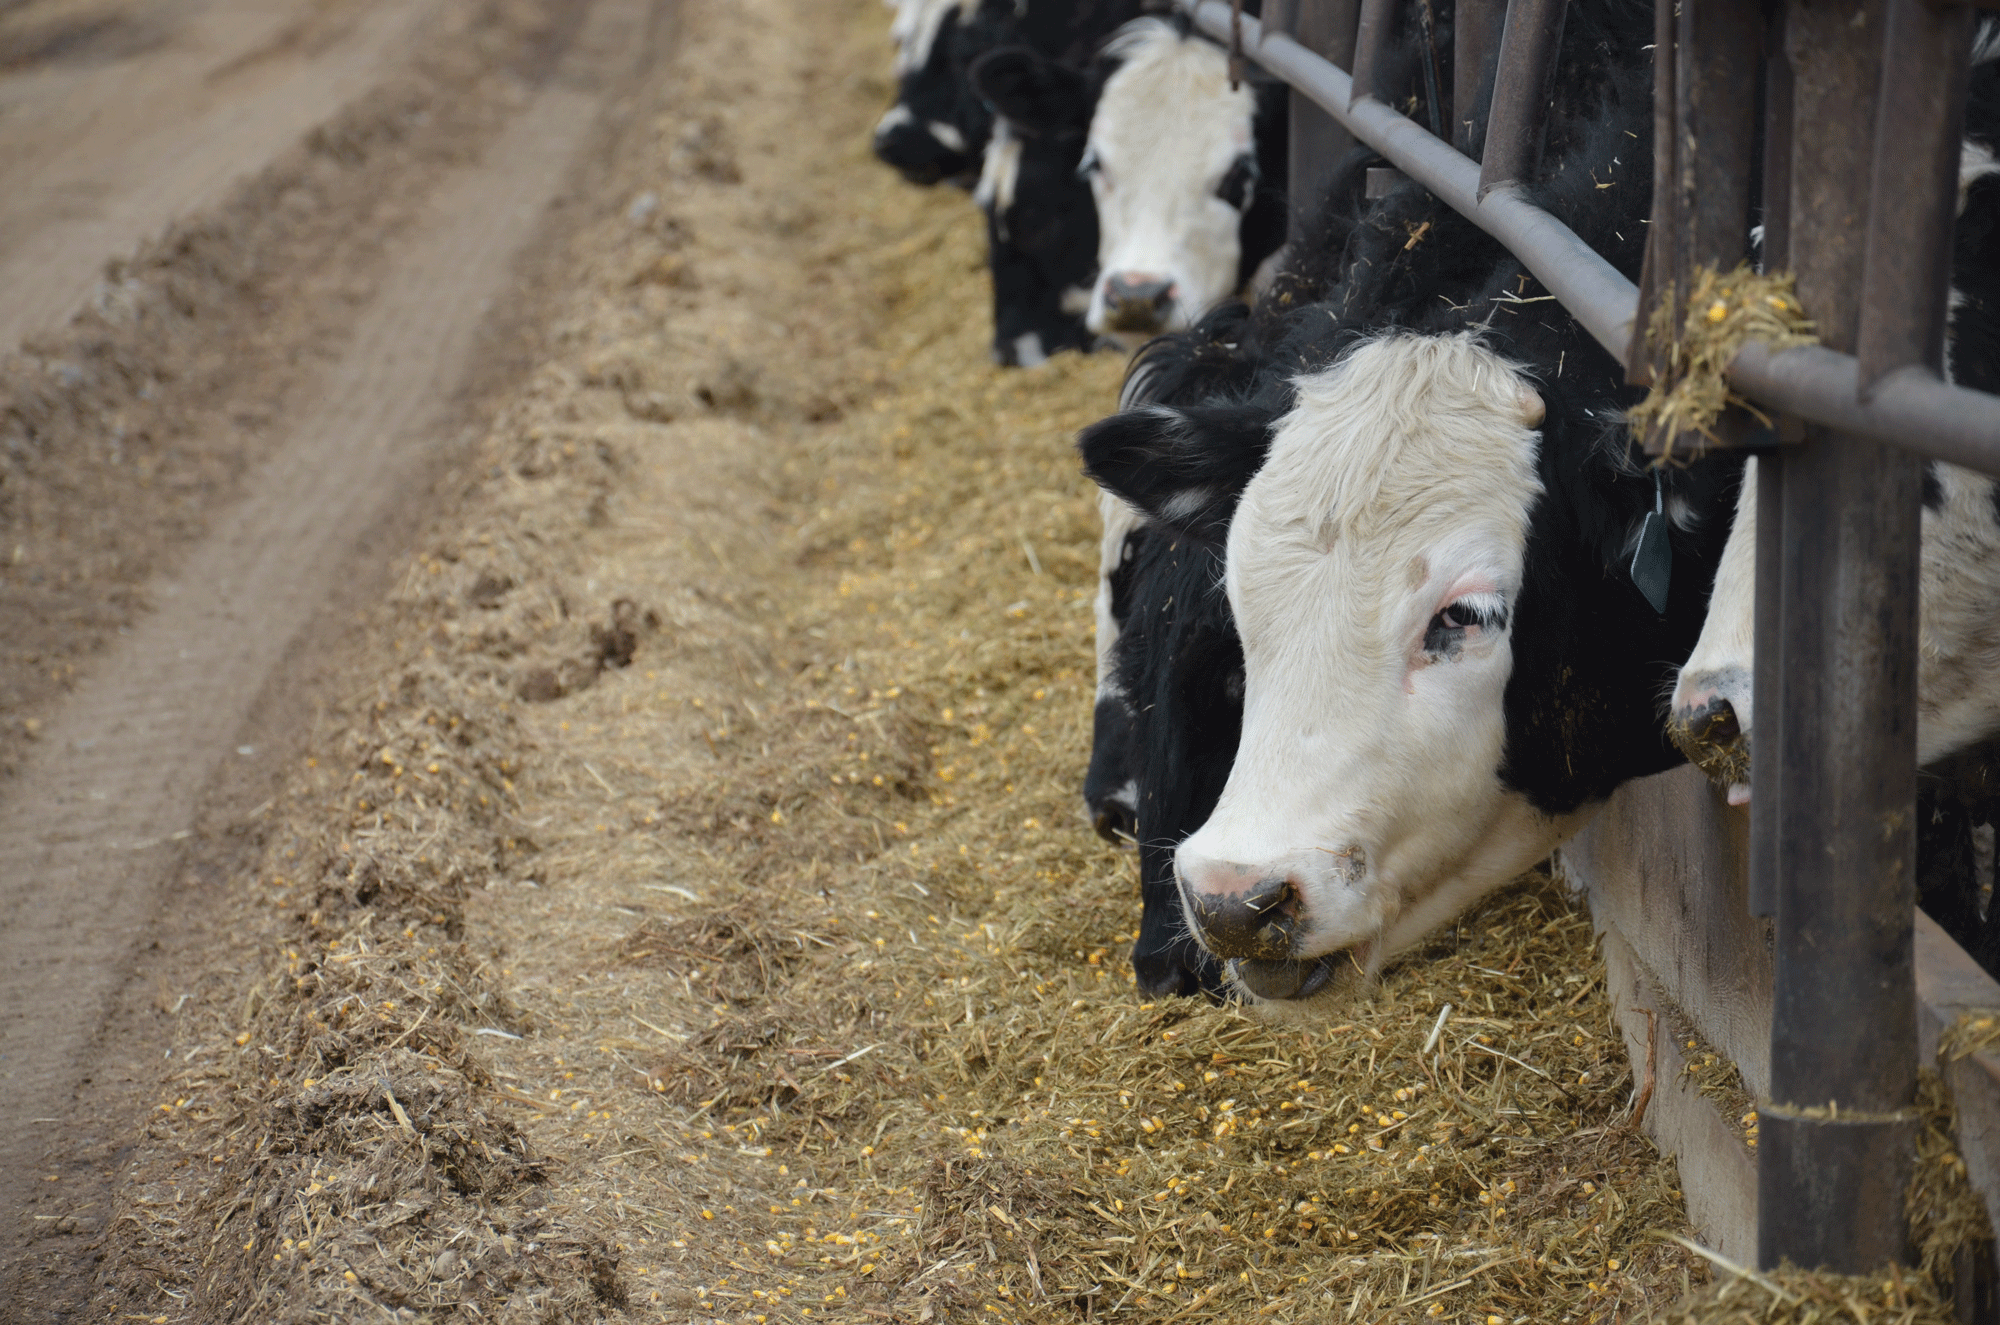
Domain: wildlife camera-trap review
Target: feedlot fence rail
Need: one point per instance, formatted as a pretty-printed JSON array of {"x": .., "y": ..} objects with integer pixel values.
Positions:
[{"x": 1794, "y": 948}]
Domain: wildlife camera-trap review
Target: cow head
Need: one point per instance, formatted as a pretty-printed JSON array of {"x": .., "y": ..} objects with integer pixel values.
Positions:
[
  {"x": 1041, "y": 225},
  {"x": 1711, "y": 712},
  {"x": 935, "y": 130},
  {"x": 1443, "y": 671},
  {"x": 1173, "y": 166}
]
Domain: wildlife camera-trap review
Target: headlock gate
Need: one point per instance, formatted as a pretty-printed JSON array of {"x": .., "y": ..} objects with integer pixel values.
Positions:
[{"x": 1838, "y": 128}]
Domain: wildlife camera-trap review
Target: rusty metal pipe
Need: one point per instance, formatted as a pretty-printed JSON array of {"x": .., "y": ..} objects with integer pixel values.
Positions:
[
  {"x": 1838, "y": 1131},
  {"x": 1529, "y": 44}
]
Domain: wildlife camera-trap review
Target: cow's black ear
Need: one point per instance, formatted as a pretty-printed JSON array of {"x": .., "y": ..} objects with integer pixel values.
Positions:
[
  {"x": 1183, "y": 466},
  {"x": 1036, "y": 94}
]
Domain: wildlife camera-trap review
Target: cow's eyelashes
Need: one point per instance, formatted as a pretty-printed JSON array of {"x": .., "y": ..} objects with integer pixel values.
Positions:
[
  {"x": 1449, "y": 629},
  {"x": 1239, "y": 182}
]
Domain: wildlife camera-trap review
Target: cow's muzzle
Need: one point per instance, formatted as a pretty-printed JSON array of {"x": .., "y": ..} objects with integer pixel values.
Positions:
[
  {"x": 1713, "y": 740},
  {"x": 1136, "y": 302},
  {"x": 1257, "y": 922}
]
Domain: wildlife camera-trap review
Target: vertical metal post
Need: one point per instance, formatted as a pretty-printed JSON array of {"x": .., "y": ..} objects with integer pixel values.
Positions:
[
  {"x": 1529, "y": 44},
  {"x": 1643, "y": 360},
  {"x": 1913, "y": 193},
  {"x": 1767, "y": 725},
  {"x": 1837, "y": 1132},
  {"x": 1371, "y": 45},
  {"x": 1707, "y": 56},
  {"x": 1318, "y": 142},
  {"x": 1475, "y": 41}
]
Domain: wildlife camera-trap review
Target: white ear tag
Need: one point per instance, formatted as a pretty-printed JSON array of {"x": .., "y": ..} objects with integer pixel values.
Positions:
[{"x": 1653, "y": 558}]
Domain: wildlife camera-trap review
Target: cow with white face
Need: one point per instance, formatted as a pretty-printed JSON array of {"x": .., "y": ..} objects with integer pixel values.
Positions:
[
  {"x": 1188, "y": 174},
  {"x": 1446, "y": 664}
]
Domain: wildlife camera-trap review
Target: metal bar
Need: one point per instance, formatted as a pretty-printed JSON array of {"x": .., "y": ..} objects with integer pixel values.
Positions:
[
  {"x": 1529, "y": 45},
  {"x": 1709, "y": 53},
  {"x": 1644, "y": 360},
  {"x": 1318, "y": 141},
  {"x": 1911, "y": 410},
  {"x": 1837, "y": 1134},
  {"x": 1475, "y": 41},
  {"x": 1913, "y": 191},
  {"x": 1722, "y": 45},
  {"x": 1777, "y": 248},
  {"x": 1767, "y": 720},
  {"x": 1371, "y": 45}
]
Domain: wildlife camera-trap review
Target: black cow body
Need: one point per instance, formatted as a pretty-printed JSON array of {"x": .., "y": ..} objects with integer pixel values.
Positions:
[{"x": 1590, "y": 655}]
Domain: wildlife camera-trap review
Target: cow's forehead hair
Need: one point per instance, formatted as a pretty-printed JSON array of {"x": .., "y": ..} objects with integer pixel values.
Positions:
[
  {"x": 915, "y": 29},
  {"x": 1162, "y": 74},
  {"x": 1407, "y": 437}
]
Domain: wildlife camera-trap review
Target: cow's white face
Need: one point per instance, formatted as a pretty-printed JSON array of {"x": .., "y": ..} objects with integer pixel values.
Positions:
[
  {"x": 1373, "y": 565},
  {"x": 1711, "y": 714},
  {"x": 1173, "y": 166}
]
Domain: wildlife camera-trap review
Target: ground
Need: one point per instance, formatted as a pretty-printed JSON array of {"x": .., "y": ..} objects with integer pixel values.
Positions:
[{"x": 553, "y": 676}]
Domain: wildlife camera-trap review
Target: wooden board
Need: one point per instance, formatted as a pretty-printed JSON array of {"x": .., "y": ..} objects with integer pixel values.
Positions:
[{"x": 1663, "y": 867}]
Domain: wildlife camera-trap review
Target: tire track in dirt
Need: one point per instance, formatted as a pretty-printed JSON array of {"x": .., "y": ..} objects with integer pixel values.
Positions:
[
  {"x": 99, "y": 159},
  {"x": 86, "y": 839}
]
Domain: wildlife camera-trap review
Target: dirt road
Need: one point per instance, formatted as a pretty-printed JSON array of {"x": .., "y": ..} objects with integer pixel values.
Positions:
[{"x": 98, "y": 157}]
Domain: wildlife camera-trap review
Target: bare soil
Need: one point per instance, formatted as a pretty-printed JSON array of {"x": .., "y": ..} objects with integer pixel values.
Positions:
[{"x": 207, "y": 470}]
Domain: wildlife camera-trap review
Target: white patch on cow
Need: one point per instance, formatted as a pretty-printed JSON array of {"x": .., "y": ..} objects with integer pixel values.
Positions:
[
  {"x": 1720, "y": 666},
  {"x": 1028, "y": 352},
  {"x": 1398, "y": 488},
  {"x": 916, "y": 26},
  {"x": 893, "y": 119},
  {"x": 1165, "y": 133},
  {"x": 947, "y": 134},
  {"x": 1119, "y": 519},
  {"x": 1267, "y": 271},
  {"x": 1975, "y": 162},
  {"x": 1075, "y": 300},
  {"x": 1986, "y": 42},
  {"x": 999, "y": 172}
]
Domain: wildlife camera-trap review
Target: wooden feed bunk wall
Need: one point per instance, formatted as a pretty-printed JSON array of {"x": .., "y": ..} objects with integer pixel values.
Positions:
[{"x": 1789, "y": 943}]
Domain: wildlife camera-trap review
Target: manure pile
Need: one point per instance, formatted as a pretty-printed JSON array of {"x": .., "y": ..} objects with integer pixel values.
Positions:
[{"x": 688, "y": 912}]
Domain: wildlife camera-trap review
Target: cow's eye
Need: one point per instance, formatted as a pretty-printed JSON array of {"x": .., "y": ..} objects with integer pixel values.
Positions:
[
  {"x": 1448, "y": 630},
  {"x": 1239, "y": 182},
  {"x": 1089, "y": 166}
]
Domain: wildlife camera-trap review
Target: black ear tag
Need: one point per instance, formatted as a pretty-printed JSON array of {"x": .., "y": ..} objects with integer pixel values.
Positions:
[{"x": 1653, "y": 558}]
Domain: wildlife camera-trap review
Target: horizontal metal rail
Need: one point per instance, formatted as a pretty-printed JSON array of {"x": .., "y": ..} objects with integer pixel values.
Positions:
[{"x": 1909, "y": 407}]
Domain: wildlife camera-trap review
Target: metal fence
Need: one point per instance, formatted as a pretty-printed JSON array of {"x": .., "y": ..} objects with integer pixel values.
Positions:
[{"x": 1859, "y": 123}]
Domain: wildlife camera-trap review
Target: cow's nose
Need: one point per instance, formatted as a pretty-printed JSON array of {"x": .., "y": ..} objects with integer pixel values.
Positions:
[
  {"x": 1137, "y": 301},
  {"x": 1709, "y": 733},
  {"x": 1239, "y": 911}
]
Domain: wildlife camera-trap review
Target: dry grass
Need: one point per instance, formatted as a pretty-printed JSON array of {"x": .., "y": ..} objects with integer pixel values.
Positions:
[
  {"x": 690, "y": 914},
  {"x": 1724, "y": 311}
]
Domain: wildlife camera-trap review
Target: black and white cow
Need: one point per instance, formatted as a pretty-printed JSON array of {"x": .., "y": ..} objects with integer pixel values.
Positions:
[
  {"x": 936, "y": 129},
  {"x": 1426, "y": 510}
]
